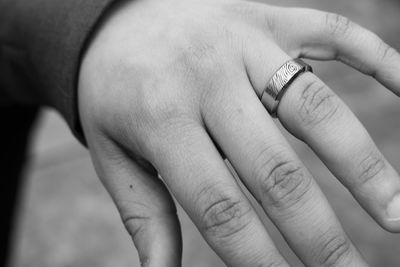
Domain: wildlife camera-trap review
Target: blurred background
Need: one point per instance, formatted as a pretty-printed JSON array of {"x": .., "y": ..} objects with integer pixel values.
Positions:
[{"x": 66, "y": 219}]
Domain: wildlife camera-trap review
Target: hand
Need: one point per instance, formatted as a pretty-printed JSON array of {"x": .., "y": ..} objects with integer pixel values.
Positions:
[{"x": 164, "y": 83}]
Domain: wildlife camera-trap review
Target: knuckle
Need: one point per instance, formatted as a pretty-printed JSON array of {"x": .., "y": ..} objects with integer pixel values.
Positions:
[
  {"x": 201, "y": 66},
  {"x": 283, "y": 182},
  {"x": 138, "y": 215},
  {"x": 199, "y": 59},
  {"x": 224, "y": 216},
  {"x": 317, "y": 103},
  {"x": 156, "y": 141},
  {"x": 153, "y": 100},
  {"x": 386, "y": 52},
  {"x": 136, "y": 224},
  {"x": 255, "y": 14},
  {"x": 153, "y": 122},
  {"x": 338, "y": 25},
  {"x": 370, "y": 167},
  {"x": 151, "y": 110},
  {"x": 335, "y": 250},
  {"x": 197, "y": 54},
  {"x": 245, "y": 10}
]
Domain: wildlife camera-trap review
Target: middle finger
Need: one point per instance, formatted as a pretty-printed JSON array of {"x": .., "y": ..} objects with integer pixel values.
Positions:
[{"x": 278, "y": 179}]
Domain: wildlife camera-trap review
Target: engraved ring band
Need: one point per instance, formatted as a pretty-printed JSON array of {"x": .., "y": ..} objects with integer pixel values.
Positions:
[{"x": 280, "y": 82}]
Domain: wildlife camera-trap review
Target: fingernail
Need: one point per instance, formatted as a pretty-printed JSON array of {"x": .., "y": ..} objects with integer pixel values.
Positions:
[{"x": 393, "y": 209}]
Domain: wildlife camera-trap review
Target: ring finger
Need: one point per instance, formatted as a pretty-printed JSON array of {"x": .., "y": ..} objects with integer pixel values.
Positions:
[
  {"x": 345, "y": 147},
  {"x": 314, "y": 114}
]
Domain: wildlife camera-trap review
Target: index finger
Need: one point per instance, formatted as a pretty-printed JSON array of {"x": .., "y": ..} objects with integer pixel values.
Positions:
[{"x": 197, "y": 176}]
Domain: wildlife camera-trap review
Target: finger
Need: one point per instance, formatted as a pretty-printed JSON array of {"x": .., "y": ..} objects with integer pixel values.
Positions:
[
  {"x": 198, "y": 177},
  {"x": 276, "y": 177},
  {"x": 146, "y": 208},
  {"x": 313, "y": 113},
  {"x": 342, "y": 143},
  {"x": 329, "y": 36}
]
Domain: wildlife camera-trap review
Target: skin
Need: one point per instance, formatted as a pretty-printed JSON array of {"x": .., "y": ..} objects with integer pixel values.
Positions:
[{"x": 163, "y": 82}]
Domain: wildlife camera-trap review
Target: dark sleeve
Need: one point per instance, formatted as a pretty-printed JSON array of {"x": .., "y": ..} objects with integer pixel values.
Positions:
[{"x": 41, "y": 42}]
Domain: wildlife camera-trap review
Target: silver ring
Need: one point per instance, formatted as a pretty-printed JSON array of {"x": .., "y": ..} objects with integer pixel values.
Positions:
[{"x": 280, "y": 82}]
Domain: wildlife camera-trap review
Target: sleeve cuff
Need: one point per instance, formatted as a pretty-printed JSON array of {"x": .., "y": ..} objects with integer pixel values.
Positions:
[{"x": 52, "y": 36}]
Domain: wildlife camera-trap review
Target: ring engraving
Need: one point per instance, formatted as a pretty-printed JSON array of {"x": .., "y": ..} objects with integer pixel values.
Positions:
[{"x": 280, "y": 82}]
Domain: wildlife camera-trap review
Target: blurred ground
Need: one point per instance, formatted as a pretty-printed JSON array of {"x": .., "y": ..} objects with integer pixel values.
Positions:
[{"x": 68, "y": 220}]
